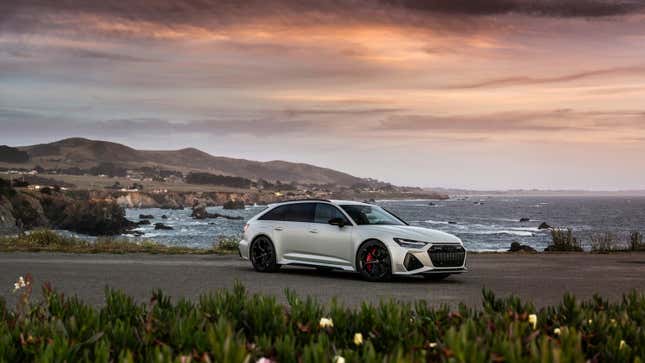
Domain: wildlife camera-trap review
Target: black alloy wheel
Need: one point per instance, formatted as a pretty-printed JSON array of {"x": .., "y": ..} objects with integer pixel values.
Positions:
[
  {"x": 263, "y": 255},
  {"x": 373, "y": 261}
]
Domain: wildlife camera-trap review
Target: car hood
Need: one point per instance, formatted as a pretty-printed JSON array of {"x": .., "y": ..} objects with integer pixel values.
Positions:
[{"x": 413, "y": 233}]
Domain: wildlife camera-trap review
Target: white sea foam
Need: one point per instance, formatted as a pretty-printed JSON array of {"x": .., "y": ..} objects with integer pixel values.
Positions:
[
  {"x": 512, "y": 233},
  {"x": 431, "y": 221}
]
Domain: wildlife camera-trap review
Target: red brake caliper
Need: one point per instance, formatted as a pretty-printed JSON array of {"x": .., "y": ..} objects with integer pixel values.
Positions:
[{"x": 370, "y": 257}]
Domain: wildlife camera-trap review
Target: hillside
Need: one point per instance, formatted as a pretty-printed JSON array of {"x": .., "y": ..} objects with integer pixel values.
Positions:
[{"x": 84, "y": 154}]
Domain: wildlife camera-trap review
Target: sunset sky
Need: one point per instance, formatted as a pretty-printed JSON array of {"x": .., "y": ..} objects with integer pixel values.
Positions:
[{"x": 453, "y": 93}]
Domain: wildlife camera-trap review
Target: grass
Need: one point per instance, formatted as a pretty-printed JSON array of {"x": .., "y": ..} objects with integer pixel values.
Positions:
[
  {"x": 48, "y": 241},
  {"x": 235, "y": 326}
]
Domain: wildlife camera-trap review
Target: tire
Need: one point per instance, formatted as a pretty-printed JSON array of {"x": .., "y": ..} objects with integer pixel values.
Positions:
[
  {"x": 262, "y": 255},
  {"x": 373, "y": 261},
  {"x": 436, "y": 277}
]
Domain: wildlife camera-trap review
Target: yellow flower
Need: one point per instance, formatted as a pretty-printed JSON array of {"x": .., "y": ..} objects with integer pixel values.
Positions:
[
  {"x": 556, "y": 331},
  {"x": 326, "y": 323},
  {"x": 613, "y": 321},
  {"x": 590, "y": 321},
  {"x": 533, "y": 321},
  {"x": 622, "y": 345},
  {"x": 339, "y": 359},
  {"x": 358, "y": 339}
]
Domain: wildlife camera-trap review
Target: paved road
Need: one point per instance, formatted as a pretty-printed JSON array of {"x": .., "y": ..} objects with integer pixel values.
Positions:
[{"x": 541, "y": 278}]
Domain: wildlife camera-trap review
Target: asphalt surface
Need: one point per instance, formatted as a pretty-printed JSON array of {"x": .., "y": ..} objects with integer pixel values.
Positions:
[{"x": 542, "y": 278}]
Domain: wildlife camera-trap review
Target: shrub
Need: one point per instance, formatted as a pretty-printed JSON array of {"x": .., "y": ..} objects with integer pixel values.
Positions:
[
  {"x": 46, "y": 240},
  {"x": 563, "y": 240},
  {"x": 234, "y": 326},
  {"x": 225, "y": 243},
  {"x": 604, "y": 243},
  {"x": 213, "y": 179},
  {"x": 6, "y": 190},
  {"x": 636, "y": 241}
]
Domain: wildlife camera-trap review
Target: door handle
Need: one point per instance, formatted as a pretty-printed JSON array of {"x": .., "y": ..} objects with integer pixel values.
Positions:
[
  {"x": 277, "y": 229},
  {"x": 313, "y": 231}
]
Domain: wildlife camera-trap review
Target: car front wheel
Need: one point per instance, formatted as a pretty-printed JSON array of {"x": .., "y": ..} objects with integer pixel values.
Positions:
[
  {"x": 373, "y": 261},
  {"x": 263, "y": 256}
]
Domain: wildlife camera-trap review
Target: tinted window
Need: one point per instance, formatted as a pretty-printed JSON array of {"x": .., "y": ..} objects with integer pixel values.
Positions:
[
  {"x": 275, "y": 214},
  {"x": 371, "y": 214},
  {"x": 300, "y": 212},
  {"x": 325, "y": 212}
]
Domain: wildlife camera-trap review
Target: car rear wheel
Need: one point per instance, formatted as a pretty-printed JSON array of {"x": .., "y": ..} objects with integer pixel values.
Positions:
[
  {"x": 373, "y": 261},
  {"x": 263, "y": 256}
]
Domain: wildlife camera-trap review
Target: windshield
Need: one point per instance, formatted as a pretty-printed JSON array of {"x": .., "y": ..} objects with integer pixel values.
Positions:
[{"x": 371, "y": 214}]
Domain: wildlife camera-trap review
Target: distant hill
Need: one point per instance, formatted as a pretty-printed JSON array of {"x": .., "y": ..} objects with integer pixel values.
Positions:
[{"x": 85, "y": 154}]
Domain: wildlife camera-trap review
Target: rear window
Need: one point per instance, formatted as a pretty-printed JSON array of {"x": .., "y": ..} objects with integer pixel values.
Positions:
[
  {"x": 300, "y": 212},
  {"x": 275, "y": 214}
]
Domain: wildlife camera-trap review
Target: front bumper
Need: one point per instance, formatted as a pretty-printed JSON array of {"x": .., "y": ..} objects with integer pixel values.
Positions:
[{"x": 432, "y": 259}]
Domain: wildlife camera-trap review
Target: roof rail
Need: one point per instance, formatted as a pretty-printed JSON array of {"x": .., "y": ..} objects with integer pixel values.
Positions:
[{"x": 305, "y": 200}]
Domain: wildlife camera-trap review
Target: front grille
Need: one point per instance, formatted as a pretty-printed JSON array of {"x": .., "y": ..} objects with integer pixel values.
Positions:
[
  {"x": 447, "y": 255},
  {"x": 411, "y": 263}
]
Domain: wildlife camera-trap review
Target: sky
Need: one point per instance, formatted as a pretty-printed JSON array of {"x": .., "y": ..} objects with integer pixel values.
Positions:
[{"x": 497, "y": 94}]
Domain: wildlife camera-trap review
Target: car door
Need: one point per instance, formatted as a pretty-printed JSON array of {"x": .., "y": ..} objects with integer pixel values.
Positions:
[
  {"x": 294, "y": 232},
  {"x": 331, "y": 244}
]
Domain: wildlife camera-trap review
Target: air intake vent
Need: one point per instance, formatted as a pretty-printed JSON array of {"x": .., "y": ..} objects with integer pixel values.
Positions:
[
  {"x": 447, "y": 255},
  {"x": 411, "y": 263}
]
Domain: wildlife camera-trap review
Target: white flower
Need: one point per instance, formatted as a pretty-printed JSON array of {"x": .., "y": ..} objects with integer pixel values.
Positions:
[
  {"x": 20, "y": 284},
  {"x": 358, "y": 339},
  {"x": 557, "y": 331},
  {"x": 622, "y": 345},
  {"x": 433, "y": 345},
  {"x": 326, "y": 323},
  {"x": 613, "y": 321},
  {"x": 533, "y": 321},
  {"x": 339, "y": 359},
  {"x": 590, "y": 321},
  {"x": 264, "y": 360}
]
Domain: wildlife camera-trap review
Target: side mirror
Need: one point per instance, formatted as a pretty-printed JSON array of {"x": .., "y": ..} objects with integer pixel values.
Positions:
[{"x": 337, "y": 222}]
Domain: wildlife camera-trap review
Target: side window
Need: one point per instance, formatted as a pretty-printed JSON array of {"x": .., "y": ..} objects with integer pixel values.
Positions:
[
  {"x": 325, "y": 212},
  {"x": 300, "y": 212},
  {"x": 275, "y": 214}
]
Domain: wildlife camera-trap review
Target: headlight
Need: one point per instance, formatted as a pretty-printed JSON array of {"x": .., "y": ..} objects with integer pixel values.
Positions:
[{"x": 409, "y": 243}]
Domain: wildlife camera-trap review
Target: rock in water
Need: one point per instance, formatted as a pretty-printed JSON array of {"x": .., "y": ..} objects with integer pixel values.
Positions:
[
  {"x": 162, "y": 226},
  {"x": 199, "y": 212},
  {"x": 234, "y": 204},
  {"x": 143, "y": 222},
  {"x": 146, "y": 216},
  {"x": 544, "y": 225},
  {"x": 164, "y": 217},
  {"x": 525, "y": 219},
  {"x": 517, "y": 247}
]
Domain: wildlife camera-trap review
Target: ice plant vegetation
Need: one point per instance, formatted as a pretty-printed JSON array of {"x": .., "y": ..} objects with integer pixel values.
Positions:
[{"x": 232, "y": 325}]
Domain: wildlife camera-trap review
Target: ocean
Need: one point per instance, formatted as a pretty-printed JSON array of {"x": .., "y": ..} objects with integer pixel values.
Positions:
[{"x": 483, "y": 223}]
